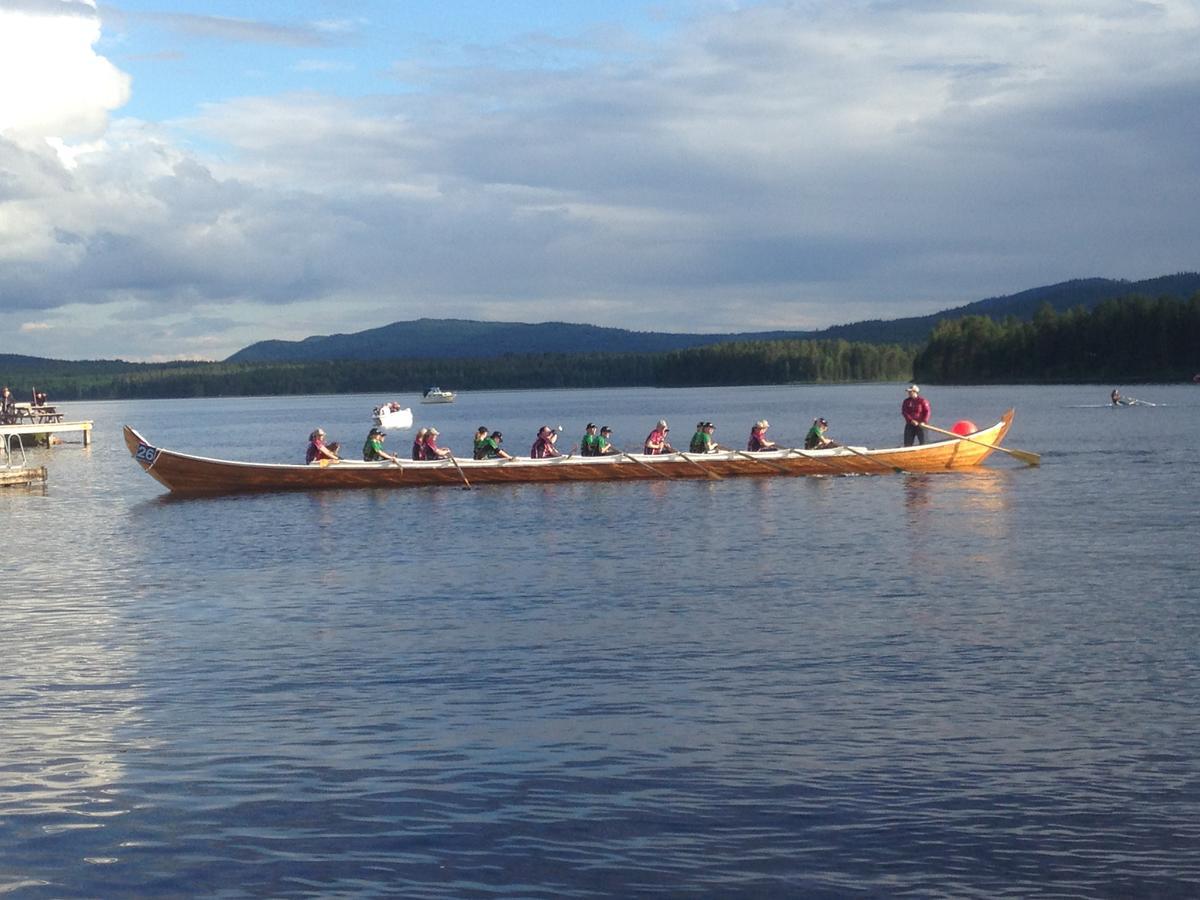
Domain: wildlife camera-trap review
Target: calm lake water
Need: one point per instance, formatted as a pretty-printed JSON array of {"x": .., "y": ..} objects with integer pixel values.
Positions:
[{"x": 961, "y": 685}]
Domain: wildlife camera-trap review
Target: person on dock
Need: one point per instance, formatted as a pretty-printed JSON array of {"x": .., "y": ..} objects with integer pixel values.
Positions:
[
  {"x": 915, "y": 410},
  {"x": 816, "y": 438},
  {"x": 373, "y": 448},
  {"x": 432, "y": 450},
  {"x": 481, "y": 435},
  {"x": 759, "y": 442},
  {"x": 418, "y": 444},
  {"x": 8, "y": 407},
  {"x": 318, "y": 450},
  {"x": 605, "y": 444},
  {"x": 656, "y": 440},
  {"x": 589, "y": 444},
  {"x": 543, "y": 445},
  {"x": 491, "y": 447}
]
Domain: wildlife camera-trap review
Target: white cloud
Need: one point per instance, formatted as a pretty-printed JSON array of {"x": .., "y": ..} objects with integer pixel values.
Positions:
[
  {"x": 55, "y": 85},
  {"x": 780, "y": 165}
]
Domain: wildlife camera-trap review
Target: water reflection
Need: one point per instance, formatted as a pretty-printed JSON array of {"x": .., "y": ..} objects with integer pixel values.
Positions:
[
  {"x": 447, "y": 693},
  {"x": 70, "y": 699}
]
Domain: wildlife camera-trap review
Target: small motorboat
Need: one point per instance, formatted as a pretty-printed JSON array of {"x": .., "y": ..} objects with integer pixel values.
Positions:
[
  {"x": 393, "y": 415},
  {"x": 437, "y": 395}
]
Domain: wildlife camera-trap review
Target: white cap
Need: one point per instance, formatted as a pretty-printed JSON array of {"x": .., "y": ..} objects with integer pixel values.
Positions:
[{"x": 914, "y": 389}]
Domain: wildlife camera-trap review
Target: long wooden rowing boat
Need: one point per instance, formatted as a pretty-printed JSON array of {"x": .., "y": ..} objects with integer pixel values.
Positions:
[{"x": 183, "y": 473}]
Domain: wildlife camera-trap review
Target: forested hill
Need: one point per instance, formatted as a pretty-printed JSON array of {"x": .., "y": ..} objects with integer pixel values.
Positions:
[
  {"x": 1067, "y": 295},
  {"x": 13, "y": 364},
  {"x": 461, "y": 338},
  {"x": 464, "y": 338}
]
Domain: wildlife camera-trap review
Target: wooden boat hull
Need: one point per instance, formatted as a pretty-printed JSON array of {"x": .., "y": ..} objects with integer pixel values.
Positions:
[{"x": 183, "y": 473}]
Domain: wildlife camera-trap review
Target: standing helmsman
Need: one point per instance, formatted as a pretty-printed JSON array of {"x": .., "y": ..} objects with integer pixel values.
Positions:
[{"x": 915, "y": 410}]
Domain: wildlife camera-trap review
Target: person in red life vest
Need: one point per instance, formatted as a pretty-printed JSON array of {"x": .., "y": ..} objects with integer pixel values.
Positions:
[
  {"x": 915, "y": 410},
  {"x": 758, "y": 437},
  {"x": 656, "y": 440},
  {"x": 318, "y": 449},
  {"x": 543, "y": 446},
  {"x": 418, "y": 445},
  {"x": 432, "y": 450}
]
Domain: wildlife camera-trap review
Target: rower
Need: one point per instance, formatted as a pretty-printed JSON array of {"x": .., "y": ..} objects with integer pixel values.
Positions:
[
  {"x": 605, "y": 446},
  {"x": 589, "y": 444},
  {"x": 543, "y": 446},
  {"x": 758, "y": 437},
  {"x": 656, "y": 440},
  {"x": 816, "y": 439}
]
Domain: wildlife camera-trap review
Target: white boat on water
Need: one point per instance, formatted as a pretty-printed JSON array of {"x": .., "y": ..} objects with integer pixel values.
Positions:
[
  {"x": 393, "y": 415},
  {"x": 437, "y": 395}
]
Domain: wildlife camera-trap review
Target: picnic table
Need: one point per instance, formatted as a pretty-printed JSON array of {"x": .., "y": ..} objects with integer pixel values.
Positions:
[{"x": 35, "y": 415}]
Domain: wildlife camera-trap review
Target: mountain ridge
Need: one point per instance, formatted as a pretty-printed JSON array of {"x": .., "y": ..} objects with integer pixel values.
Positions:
[
  {"x": 469, "y": 338},
  {"x": 429, "y": 338}
]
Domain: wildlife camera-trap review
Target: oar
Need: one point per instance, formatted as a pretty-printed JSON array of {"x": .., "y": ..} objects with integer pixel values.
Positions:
[
  {"x": 807, "y": 455},
  {"x": 709, "y": 472},
  {"x": 466, "y": 483},
  {"x": 644, "y": 465},
  {"x": 896, "y": 469},
  {"x": 769, "y": 465},
  {"x": 1025, "y": 456}
]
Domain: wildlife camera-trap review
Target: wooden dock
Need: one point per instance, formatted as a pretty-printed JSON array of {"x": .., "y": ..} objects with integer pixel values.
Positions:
[
  {"x": 21, "y": 475},
  {"x": 39, "y": 432}
]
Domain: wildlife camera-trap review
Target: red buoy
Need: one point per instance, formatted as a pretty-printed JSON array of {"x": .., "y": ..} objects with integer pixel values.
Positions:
[{"x": 964, "y": 427}]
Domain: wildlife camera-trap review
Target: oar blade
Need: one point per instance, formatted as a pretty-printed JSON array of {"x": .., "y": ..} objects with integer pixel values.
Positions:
[{"x": 1026, "y": 456}]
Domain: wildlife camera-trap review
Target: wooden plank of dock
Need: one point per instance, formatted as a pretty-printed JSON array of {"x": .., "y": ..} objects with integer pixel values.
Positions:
[
  {"x": 37, "y": 430},
  {"x": 22, "y": 475}
]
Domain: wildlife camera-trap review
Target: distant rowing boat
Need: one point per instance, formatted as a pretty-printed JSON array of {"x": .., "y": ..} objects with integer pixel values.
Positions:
[
  {"x": 393, "y": 415},
  {"x": 183, "y": 473}
]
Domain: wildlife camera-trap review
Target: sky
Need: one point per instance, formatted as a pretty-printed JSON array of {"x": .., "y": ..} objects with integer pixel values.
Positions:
[{"x": 182, "y": 178}]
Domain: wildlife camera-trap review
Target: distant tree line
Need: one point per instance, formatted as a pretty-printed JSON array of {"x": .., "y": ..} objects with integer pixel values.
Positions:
[
  {"x": 1119, "y": 340},
  {"x": 782, "y": 362},
  {"x": 1134, "y": 339},
  {"x": 764, "y": 362}
]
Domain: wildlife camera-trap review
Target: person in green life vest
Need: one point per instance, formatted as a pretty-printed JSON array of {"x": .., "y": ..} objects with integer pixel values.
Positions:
[
  {"x": 605, "y": 444},
  {"x": 816, "y": 439},
  {"x": 702, "y": 441},
  {"x": 589, "y": 444},
  {"x": 491, "y": 447},
  {"x": 481, "y": 435},
  {"x": 373, "y": 449}
]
